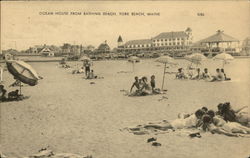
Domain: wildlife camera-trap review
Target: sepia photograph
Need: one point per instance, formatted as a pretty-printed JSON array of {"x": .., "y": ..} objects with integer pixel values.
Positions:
[{"x": 123, "y": 79}]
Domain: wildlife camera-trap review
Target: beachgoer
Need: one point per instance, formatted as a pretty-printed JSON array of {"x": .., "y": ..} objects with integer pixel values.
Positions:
[
  {"x": 135, "y": 84},
  {"x": 91, "y": 75},
  {"x": 232, "y": 115},
  {"x": 206, "y": 74},
  {"x": 2, "y": 93},
  {"x": 13, "y": 94},
  {"x": 198, "y": 75},
  {"x": 145, "y": 89},
  {"x": 153, "y": 86},
  {"x": 86, "y": 64},
  {"x": 225, "y": 76},
  {"x": 218, "y": 125},
  {"x": 180, "y": 74},
  {"x": 205, "y": 109},
  {"x": 219, "y": 76}
]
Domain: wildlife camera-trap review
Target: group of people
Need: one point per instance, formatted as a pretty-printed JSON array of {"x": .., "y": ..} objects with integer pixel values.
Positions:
[
  {"x": 205, "y": 75},
  {"x": 143, "y": 88},
  {"x": 225, "y": 121},
  {"x": 13, "y": 95}
]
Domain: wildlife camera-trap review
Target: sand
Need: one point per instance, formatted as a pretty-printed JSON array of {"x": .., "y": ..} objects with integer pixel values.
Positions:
[{"x": 71, "y": 115}]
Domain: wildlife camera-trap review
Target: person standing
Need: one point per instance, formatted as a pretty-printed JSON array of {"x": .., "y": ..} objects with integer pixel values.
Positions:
[{"x": 86, "y": 64}]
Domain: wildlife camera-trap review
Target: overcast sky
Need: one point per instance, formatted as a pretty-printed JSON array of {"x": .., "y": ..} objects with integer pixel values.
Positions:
[{"x": 22, "y": 25}]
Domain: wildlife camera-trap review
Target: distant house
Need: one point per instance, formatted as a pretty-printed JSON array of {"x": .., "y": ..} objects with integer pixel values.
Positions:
[
  {"x": 103, "y": 48},
  {"x": 46, "y": 52},
  {"x": 246, "y": 46}
]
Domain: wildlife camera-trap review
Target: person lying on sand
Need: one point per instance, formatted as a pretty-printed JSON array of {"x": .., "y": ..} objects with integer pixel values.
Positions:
[
  {"x": 188, "y": 122},
  {"x": 78, "y": 71},
  {"x": 135, "y": 84},
  {"x": 217, "y": 125}
]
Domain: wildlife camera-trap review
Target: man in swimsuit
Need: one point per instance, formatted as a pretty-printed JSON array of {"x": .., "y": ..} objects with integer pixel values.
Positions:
[
  {"x": 87, "y": 68},
  {"x": 135, "y": 84}
]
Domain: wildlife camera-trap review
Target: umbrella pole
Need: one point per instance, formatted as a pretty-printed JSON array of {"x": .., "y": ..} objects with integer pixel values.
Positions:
[
  {"x": 133, "y": 66},
  {"x": 20, "y": 88},
  {"x": 163, "y": 76}
]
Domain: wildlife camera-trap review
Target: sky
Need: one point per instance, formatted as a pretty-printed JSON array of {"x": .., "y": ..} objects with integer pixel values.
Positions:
[{"x": 23, "y": 26}]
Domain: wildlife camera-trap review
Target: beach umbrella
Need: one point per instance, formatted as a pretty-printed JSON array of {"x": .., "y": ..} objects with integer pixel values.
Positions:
[
  {"x": 195, "y": 58},
  {"x": 133, "y": 59},
  {"x": 22, "y": 72},
  {"x": 165, "y": 60},
  {"x": 224, "y": 57},
  {"x": 85, "y": 58}
]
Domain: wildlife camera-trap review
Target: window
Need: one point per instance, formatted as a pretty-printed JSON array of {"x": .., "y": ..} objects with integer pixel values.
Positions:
[
  {"x": 170, "y": 44},
  {"x": 158, "y": 44},
  {"x": 154, "y": 40},
  {"x": 161, "y": 39},
  {"x": 162, "y": 44},
  {"x": 157, "y": 40},
  {"x": 178, "y": 39},
  {"x": 143, "y": 45},
  {"x": 178, "y": 43},
  {"x": 173, "y": 43},
  {"x": 170, "y": 39},
  {"x": 165, "y": 39}
]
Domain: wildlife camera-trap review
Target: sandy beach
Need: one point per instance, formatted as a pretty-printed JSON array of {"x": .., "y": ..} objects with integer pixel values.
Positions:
[{"x": 68, "y": 114}]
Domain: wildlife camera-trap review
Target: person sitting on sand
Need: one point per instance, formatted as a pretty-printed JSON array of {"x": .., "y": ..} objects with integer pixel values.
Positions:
[
  {"x": 225, "y": 76},
  {"x": 91, "y": 75},
  {"x": 2, "y": 93},
  {"x": 135, "y": 84},
  {"x": 180, "y": 74},
  {"x": 198, "y": 75},
  {"x": 152, "y": 83},
  {"x": 206, "y": 75},
  {"x": 218, "y": 77},
  {"x": 13, "y": 95},
  {"x": 145, "y": 89},
  {"x": 62, "y": 62}
]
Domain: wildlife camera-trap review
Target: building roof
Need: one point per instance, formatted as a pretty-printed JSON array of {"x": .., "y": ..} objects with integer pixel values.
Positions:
[
  {"x": 119, "y": 39},
  {"x": 219, "y": 37},
  {"x": 171, "y": 35},
  {"x": 140, "y": 41},
  {"x": 246, "y": 42},
  {"x": 103, "y": 47}
]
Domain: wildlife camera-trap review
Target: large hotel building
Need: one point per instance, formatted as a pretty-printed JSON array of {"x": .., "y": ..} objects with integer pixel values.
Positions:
[{"x": 166, "y": 41}]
